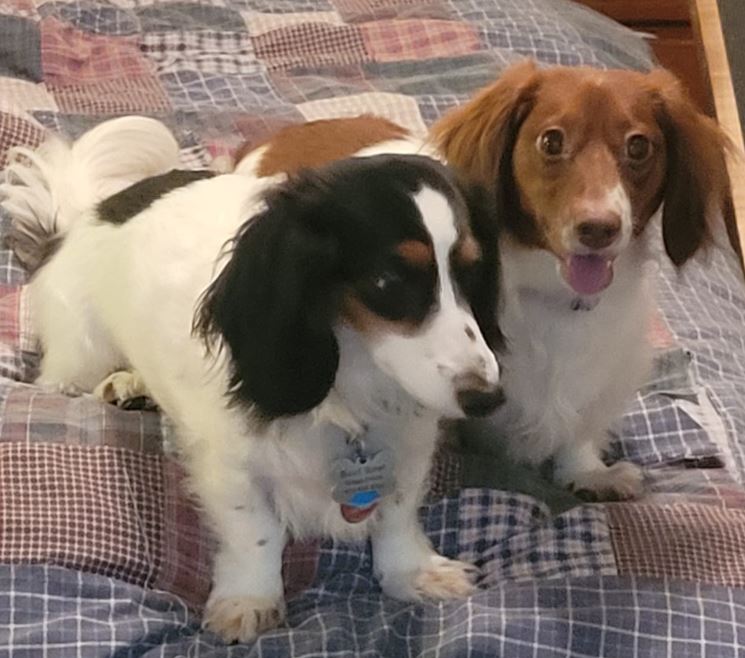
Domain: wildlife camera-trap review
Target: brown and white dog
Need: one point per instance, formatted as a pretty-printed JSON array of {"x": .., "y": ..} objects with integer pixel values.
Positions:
[{"x": 580, "y": 160}]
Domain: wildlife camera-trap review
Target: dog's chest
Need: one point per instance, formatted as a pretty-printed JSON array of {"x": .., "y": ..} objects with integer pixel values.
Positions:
[
  {"x": 300, "y": 473},
  {"x": 562, "y": 362}
]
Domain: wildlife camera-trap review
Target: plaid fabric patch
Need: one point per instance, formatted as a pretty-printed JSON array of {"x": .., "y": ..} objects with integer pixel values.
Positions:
[
  {"x": 15, "y": 131},
  {"x": 537, "y": 28},
  {"x": 112, "y": 97},
  {"x": 18, "y": 360},
  {"x": 397, "y": 108},
  {"x": 72, "y": 57},
  {"x": 599, "y": 616},
  {"x": 188, "y": 16},
  {"x": 22, "y": 97},
  {"x": 510, "y": 536},
  {"x": 310, "y": 44},
  {"x": 206, "y": 51},
  {"x": 390, "y": 41},
  {"x": 440, "y": 79},
  {"x": 686, "y": 541},
  {"x": 286, "y": 6},
  {"x": 192, "y": 90},
  {"x": 261, "y": 23},
  {"x": 95, "y": 509},
  {"x": 304, "y": 84},
  {"x": 32, "y": 415},
  {"x": 98, "y": 18},
  {"x": 20, "y": 48},
  {"x": 667, "y": 426},
  {"x": 22, "y": 8},
  {"x": 357, "y": 11},
  {"x": 695, "y": 484}
]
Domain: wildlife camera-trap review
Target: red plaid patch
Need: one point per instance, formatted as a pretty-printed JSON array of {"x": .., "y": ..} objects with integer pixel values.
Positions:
[
  {"x": 310, "y": 45},
  {"x": 94, "y": 509},
  {"x": 72, "y": 57},
  {"x": 389, "y": 41},
  {"x": 15, "y": 131},
  {"x": 10, "y": 316},
  {"x": 124, "y": 96},
  {"x": 689, "y": 541},
  {"x": 116, "y": 512}
]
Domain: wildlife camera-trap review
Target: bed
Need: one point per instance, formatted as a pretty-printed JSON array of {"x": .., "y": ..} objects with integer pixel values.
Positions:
[{"x": 101, "y": 549}]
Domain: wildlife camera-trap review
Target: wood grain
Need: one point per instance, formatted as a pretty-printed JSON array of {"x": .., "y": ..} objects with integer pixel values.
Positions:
[
  {"x": 707, "y": 24},
  {"x": 642, "y": 11}
]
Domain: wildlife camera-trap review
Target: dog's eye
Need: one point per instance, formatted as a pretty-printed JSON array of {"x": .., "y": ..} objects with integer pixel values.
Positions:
[
  {"x": 551, "y": 142},
  {"x": 638, "y": 148},
  {"x": 384, "y": 280}
]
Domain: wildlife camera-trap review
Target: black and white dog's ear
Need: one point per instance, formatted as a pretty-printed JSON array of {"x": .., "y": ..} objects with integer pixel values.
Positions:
[
  {"x": 274, "y": 304},
  {"x": 485, "y": 291}
]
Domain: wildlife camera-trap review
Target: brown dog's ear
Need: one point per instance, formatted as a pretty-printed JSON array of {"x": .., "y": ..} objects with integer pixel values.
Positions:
[
  {"x": 697, "y": 183},
  {"x": 475, "y": 137}
]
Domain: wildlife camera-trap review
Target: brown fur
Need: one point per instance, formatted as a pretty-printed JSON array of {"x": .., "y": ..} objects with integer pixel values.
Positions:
[
  {"x": 418, "y": 254},
  {"x": 321, "y": 142},
  {"x": 492, "y": 140},
  {"x": 367, "y": 322},
  {"x": 467, "y": 251}
]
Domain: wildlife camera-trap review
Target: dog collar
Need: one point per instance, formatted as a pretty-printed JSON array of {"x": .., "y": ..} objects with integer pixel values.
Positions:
[{"x": 361, "y": 473}]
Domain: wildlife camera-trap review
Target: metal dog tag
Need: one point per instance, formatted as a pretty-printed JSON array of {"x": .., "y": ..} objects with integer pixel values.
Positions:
[
  {"x": 362, "y": 479},
  {"x": 361, "y": 470}
]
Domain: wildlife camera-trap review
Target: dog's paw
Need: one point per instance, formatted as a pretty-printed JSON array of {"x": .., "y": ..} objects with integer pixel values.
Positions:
[
  {"x": 621, "y": 481},
  {"x": 438, "y": 580},
  {"x": 242, "y": 618},
  {"x": 124, "y": 389}
]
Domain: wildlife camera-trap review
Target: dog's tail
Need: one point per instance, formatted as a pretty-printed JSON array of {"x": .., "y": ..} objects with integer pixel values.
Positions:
[{"x": 47, "y": 189}]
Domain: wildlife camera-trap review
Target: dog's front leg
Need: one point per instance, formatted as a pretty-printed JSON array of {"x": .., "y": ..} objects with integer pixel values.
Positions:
[
  {"x": 404, "y": 561},
  {"x": 247, "y": 594}
]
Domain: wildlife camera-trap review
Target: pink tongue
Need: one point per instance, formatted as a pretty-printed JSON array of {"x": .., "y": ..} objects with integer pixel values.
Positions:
[{"x": 588, "y": 275}]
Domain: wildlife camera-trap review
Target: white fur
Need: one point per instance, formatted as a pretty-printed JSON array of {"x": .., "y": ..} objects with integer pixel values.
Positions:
[
  {"x": 124, "y": 296},
  {"x": 568, "y": 374}
]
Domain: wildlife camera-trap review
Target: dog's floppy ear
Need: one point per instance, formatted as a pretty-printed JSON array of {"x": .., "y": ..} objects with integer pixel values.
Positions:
[
  {"x": 485, "y": 289},
  {"x": 274, "y": 304},
  {"x": 697, "y": 183},
  {"x": 476, "y": 137}
]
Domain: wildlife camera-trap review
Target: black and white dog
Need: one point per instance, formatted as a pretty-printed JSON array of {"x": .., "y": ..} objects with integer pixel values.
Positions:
[{"x": 305, "y": 334}]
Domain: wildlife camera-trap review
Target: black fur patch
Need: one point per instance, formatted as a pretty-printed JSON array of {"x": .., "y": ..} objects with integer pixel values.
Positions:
[{"x": 124, "y": 205}]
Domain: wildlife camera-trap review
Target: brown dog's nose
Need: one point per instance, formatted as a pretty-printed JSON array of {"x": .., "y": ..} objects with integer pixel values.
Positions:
[{"x": 599, "y": 233}]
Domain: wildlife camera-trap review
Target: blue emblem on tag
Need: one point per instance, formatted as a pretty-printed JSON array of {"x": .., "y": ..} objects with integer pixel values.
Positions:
[{"x": 363, "y": 498}]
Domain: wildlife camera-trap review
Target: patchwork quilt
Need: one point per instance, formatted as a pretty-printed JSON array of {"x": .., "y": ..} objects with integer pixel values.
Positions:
[{"x": 101, "y": 550}]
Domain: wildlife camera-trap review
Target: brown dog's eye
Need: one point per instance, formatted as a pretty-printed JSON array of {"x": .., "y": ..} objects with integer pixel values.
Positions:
[
  {"x": 552, "y": 142},
  {"x": 638, "y": 148}
]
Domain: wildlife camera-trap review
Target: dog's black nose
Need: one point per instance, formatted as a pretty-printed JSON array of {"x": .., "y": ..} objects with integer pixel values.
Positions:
[
  {"x": 479, "y": 401},
  {"x": 598, "y": 233}
]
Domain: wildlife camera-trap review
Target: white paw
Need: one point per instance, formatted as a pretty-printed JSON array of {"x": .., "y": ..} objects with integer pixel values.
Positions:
[
  {"x": 242, "y": 618},
  {"x": 439, "y": 580},
  {"x": 621, "y": 481},
  {"x": 122, "y": 388}
]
